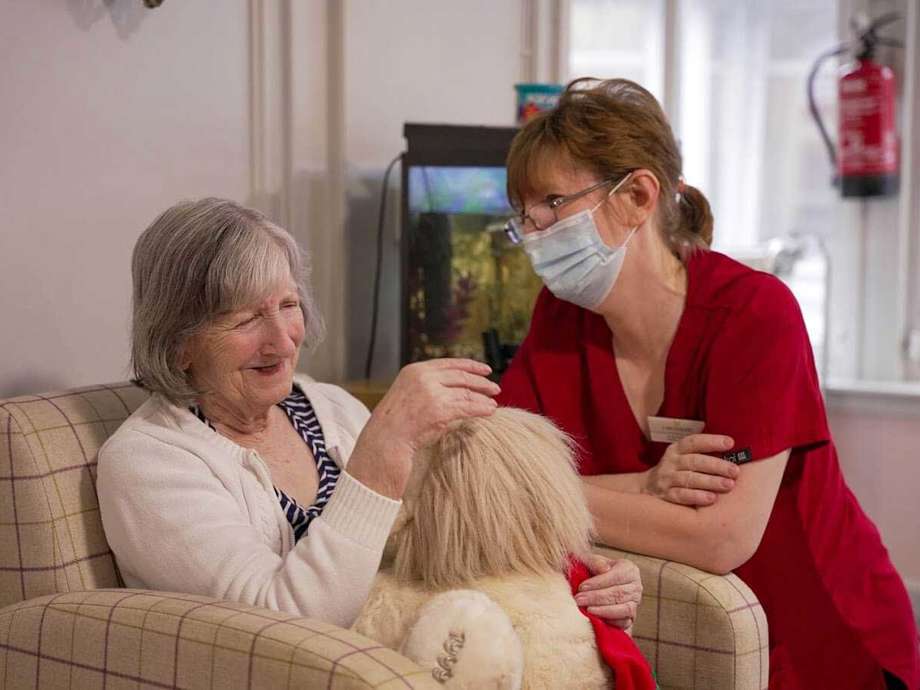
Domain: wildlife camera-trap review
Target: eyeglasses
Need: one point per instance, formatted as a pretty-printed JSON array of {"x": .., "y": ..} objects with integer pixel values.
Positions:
[{"x": 544, "y": 214}]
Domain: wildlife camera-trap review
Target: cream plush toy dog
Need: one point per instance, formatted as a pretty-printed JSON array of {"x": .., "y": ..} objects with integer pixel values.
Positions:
[{"x": 475, "y": 587}]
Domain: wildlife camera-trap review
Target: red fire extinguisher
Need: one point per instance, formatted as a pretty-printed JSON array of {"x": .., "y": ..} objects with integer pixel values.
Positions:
[{"x": 867, "y": 162}]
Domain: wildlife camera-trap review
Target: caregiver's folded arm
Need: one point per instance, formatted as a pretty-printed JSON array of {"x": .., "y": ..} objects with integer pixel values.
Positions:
[{"x": 717, "y": 538}]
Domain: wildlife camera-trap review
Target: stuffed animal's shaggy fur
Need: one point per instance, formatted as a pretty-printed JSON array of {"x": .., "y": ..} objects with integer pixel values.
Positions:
[{"x": 494, "y": 506}]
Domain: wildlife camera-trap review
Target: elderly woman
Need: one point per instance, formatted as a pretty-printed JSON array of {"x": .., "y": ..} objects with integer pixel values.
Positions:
[{"x": 238, "y": 479}]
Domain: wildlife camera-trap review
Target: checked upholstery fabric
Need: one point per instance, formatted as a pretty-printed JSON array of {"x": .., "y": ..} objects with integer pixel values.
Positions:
[
  {"x": 699, "y": 630},
  {"x": 68, "y": 623},
  {"x": 140, "y": 639}
]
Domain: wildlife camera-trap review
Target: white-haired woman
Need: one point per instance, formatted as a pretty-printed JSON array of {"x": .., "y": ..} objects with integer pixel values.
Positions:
[{"x": 238, "y": 479}]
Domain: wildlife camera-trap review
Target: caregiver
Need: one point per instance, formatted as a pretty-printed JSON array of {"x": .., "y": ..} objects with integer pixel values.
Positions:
[{"x": 641, "y": 321}]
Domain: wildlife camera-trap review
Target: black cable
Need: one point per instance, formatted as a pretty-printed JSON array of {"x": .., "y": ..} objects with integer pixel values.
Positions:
[
  {"x": 813, "y": 106},
  {"x": 375, "y": 308}
]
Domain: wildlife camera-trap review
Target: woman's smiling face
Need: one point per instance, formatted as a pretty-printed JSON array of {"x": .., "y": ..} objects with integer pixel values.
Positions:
[{"x": 245, "y": 359}]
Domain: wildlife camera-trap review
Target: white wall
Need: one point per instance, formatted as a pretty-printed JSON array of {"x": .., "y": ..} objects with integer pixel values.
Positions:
[
  {"x": 111, "y": 112},
  {"x": 877, "y": 437},
  {"x": 424, "y": 61},
  {"x": 411, "y": 61}
]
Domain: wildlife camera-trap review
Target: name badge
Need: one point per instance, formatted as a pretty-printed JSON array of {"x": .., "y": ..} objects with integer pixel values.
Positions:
[{"x": 670, "y": 430}]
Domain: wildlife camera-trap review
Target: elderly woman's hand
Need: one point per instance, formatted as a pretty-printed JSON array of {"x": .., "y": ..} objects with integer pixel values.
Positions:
[
  {"x": 688, "y": 476},
  {"x": 423, "y": 400},
  {"x": 614, "y": 593}
]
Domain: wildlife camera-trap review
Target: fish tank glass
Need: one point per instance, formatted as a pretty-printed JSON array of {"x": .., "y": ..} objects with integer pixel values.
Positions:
[{"x": 463, "y": 278}]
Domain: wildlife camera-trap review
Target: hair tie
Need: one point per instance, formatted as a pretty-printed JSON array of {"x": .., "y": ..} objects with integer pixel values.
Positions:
[{"x": 681, "y": 188}]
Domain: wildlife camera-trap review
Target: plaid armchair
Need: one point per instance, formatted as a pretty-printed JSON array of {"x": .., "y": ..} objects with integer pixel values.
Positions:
[{"x": 67, "y": 622}]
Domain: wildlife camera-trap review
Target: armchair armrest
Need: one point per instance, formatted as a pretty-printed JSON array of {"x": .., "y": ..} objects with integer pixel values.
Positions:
[
  {"x": 131, "y": 637},
  {"x": 697, "y": 629}
]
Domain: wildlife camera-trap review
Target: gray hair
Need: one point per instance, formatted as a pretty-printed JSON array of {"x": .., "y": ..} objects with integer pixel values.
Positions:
[{"x": 196, "y": 261}]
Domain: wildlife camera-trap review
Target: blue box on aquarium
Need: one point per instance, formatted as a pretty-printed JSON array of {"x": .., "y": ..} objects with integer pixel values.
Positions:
[{"x": 533, "y": 99}]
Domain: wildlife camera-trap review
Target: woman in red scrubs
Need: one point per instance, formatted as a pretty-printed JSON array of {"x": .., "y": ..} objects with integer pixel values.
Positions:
[{"x": 668, "y": 329}]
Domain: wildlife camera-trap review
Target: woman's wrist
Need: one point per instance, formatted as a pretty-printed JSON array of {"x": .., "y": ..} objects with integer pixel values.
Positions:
[
  {"x": 381, "y": 467},
  {"x": 643, "y": 482}
]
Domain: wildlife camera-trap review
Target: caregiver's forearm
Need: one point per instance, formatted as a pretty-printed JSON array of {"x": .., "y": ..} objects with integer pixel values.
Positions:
[
  {"x": 645, "y": 524},
  {"x": 717, "y": 537},
  {"x": 628, "y": 482}
]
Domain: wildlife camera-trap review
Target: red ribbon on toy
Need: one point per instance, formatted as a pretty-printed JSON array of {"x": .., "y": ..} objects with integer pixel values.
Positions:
[{"x": 630, "y": 668}]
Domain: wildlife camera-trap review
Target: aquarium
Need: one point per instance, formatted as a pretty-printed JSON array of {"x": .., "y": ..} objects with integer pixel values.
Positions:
[{"x": 464, "y": 281}]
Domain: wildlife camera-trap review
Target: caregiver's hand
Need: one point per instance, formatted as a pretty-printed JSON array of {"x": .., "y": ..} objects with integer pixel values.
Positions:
[
  {"x": 688, "y": 475},
  {"x": 615, "y": 591},
  {"x": 423, "y": 400}
]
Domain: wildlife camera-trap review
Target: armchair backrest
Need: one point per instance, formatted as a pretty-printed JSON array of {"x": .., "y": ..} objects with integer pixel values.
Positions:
[{"x": 51, "y": 537}]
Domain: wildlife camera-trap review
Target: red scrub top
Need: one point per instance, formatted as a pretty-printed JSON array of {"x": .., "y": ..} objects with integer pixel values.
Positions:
[{"x": 741, "y": 361}]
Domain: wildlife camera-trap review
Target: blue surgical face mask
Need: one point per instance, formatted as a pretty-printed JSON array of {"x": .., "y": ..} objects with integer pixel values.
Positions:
[{"x": 572, "y": 259}]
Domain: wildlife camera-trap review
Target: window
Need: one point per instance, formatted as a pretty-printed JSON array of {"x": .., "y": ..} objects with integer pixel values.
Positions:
[
  {"x": 618, "y": 39},
  {"x": 732, "y": 76}
]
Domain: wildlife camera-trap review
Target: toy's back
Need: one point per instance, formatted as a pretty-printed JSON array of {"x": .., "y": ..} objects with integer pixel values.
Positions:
[{"x": 547, "y": 632}]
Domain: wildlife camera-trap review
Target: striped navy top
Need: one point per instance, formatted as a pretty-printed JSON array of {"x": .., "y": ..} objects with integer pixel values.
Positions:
[{"x": 301, "y": 415}]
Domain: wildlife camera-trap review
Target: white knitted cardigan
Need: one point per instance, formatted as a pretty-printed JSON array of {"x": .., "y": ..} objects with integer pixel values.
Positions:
[{"x": 188, "y": 510}]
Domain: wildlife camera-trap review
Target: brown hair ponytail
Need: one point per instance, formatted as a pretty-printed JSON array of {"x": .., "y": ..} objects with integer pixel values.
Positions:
[{"x": 695, "y": 220}]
